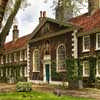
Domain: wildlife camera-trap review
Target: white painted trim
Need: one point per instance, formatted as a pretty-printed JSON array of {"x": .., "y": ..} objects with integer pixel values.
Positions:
[
  {"x": 84, "y": 74},
  {"x": 21, "y": 57},
  {"x": 62, "y": 44},
  {"x": 25, "y": 53},
  {"x": 6, "y": 58},
  {"x": 10, "y": 59},
  {"x": 48, "y": 61},
  {"x": 85, "y": 50},
  {"x": 97, "y": 48},
  {"x": 97, "y": 73},
  {"x": 75, "y": 45},
  {"x": 28, "y": 64},
  {"x": 2, "y": 62},
  {"x": 15, "y": 57}
]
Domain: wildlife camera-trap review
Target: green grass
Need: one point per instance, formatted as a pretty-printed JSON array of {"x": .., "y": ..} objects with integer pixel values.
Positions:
[{"x": 36, "y": 96}]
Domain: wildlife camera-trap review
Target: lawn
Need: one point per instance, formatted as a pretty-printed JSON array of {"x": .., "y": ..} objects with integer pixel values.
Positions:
[{"x": 36, "y": 96}]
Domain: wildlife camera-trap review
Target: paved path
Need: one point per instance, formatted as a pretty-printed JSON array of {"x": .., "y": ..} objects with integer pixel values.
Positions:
[{"x": 89, "y": 93}]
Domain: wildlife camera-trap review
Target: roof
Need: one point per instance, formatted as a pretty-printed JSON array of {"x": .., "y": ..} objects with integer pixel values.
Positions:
[
  {"x": 18, "y": 44},
  {"x": 88, "y": 23}
]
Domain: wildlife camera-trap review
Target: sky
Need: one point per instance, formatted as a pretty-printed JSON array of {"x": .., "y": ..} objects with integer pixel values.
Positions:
[{"x": 28, "y": 18}]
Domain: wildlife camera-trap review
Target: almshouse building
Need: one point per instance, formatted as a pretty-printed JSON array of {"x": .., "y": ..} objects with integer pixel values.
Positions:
[{"x": 41, "y": 56}]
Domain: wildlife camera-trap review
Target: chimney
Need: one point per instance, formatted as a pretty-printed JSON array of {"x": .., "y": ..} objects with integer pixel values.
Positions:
[
  {"x": 40, "y": 19},
  {"x": 44, "y": 13},
  {"x": 93, "y": 5},
  {"x": 15, "y": 33},
  {"x": 42, "y": 16}
]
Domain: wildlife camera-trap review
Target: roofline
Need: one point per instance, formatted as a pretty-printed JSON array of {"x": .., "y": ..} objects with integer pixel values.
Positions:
[
  {"x": 52, "y": 35},
  {"x": 47, "y": 19},
  {"x": 89, "y": 32}
]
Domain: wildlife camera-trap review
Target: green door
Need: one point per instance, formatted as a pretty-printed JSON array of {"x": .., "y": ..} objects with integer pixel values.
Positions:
[{"x": 47, "y": 72}]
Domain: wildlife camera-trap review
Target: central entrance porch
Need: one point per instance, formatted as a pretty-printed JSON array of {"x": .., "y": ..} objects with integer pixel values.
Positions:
[{"x": 47, "y": 69}]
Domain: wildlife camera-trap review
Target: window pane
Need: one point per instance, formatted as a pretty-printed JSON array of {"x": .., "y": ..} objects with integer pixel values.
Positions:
[
  {"x": 86, "y": 68},
  {"x": 36, "y": 60},
  {"x": 86, "y": 42},
  {"x": 61, "y": 58},
  {"x": 98, "y": 67},
  {"x": 98, "y": 41}
]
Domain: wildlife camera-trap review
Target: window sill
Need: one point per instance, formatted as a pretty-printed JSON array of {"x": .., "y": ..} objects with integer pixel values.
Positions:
[
  {"x": 98, "y": 75},
  {"x": 58, "y": 71},
  {"x": 36, "y": 71},
  {"x": 85, "y": 51},
  {"x": 97, "y": 49},
  {"x": 85, "y": 75}
]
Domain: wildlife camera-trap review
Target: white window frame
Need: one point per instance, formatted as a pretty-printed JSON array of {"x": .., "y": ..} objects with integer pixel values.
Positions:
[
  {"x": 97, "y": 48},
  {"x": 2, "y": 61},
  {"x": 10, "y": 59},
  {"x": 86, "y": 50},
  {"x": 97, "y": 73},
  {"x": 21, "y": 57},
  {"x": 34, "y": 69},
  {"x": 57, "y": 69},
  {"x": 1, "y": 72},
  {"x": 25, "y": 53},
  {"x": 84, "y": 74},
  {"x": 15, "y": 57},
  {"x": 6, "y": 58}
]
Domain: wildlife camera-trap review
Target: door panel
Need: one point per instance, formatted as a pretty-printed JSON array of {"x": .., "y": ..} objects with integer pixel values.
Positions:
[{"x": 47, "y": 72}]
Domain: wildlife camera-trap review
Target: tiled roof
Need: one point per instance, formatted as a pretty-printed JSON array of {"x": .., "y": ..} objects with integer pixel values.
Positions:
[
  {"x": 20, "y": 43},
  {"x": 87, "y": 22}
]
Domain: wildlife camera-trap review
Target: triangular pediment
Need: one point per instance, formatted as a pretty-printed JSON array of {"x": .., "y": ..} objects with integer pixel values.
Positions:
[{"x": 49, "y": 26}]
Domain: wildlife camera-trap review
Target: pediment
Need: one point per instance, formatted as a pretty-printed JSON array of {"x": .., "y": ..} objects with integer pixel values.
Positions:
[{"x": 49, "y": 26}]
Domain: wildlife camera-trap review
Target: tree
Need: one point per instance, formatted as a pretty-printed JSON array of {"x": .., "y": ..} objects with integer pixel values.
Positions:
[
  {"x": 74, "y": 5},
  {"x": 9, "y": 22}
]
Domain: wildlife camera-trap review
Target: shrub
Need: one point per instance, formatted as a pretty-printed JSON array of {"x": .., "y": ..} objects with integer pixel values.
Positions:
[{"x": 24, "y": 87}]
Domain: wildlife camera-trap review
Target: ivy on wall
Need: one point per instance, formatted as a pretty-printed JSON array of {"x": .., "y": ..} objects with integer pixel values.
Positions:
[
  {"x": 92, "y": 64},
  {"x": 74, "y": 69},
  {"x": 14, "y": 75}
]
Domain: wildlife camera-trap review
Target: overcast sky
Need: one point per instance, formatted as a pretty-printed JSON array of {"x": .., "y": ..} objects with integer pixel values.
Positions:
[{"x": 27, "y": 20}]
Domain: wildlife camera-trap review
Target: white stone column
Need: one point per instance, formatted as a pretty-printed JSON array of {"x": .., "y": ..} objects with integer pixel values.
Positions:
[{"x": 74, "y": 45}]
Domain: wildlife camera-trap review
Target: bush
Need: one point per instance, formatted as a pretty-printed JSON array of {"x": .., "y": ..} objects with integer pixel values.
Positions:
[{"x": 24, "y": 87}]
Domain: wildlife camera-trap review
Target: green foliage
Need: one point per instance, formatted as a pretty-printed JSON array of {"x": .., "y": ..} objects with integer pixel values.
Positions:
[
  {"x": 74, "y": 69},
  {"x": 92, "y": 64},
  {"x": 14, "y": 73},
  {"x": 57, "y": 76},
  {"x": 24, "y": 87},
  {"x": 35, "y": 95}
]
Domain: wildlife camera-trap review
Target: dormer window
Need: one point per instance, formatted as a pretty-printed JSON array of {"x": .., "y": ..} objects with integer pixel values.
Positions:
[
  {"x": 98, "y": 41},
  {"x": 86, "y": 43}
]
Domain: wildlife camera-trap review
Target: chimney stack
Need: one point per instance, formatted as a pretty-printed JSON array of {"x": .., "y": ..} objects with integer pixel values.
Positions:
[
  {"x": 15, "y": 33},
  {"x": 44, "y": 13},
  {"x": 42, "y": 16}
]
